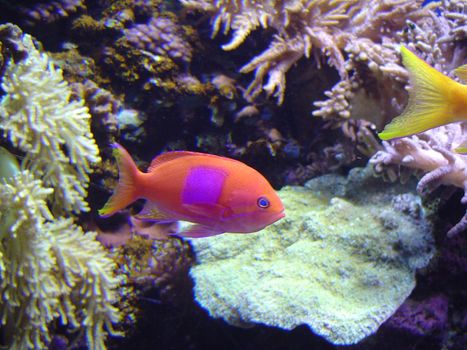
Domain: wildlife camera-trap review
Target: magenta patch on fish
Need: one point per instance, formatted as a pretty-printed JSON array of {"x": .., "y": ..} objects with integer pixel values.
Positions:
[{"x": 203, "y": 185}]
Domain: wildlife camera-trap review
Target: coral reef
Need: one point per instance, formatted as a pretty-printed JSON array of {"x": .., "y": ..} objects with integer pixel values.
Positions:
[
  {"x": 453, "y": 255},
  {"x": 432, "y": 153},
  {"x": 438, "y": 40},
  {"x": 160, "y": 265},
  {"x": 149, "y": 55},
  {"x": 421, "y": 318},
  {"x": 342, "y": 261},
  {"x": 155, "y": 53},
  {"x": 162, "y": 37},
  {"x": 52, "y": 274},
  {"x": 320, "y": 29},
  {"x": 147, "y": 73},
  {"x": 49, "y": 270},
  {"x": 11, "y": 45},
  {"x": 104, "y": 108},
  {"x": 50, "y": 11},
  {"x": 36, "y": 115}
]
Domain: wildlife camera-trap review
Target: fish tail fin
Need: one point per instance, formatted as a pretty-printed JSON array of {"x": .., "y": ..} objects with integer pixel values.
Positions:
[
  {"x": 429, "y": 104},
  {"x": 461, "y": 72},
  {"x": 126, "y": 191}
]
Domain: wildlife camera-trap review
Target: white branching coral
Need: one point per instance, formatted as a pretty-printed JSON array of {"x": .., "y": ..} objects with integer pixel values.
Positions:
[
  {"x": 439, "y": 41},
  {"x": 326, "y": 30},
  {"x": 49, "y": 270},
  {"x": 37, "y": 116},
  {"x": 89, "y": 275},
  {"x": 431, "y": 152},
  {"x": 373, "y": 61}
]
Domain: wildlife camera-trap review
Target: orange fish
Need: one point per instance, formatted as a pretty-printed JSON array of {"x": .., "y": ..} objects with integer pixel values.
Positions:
[
  {"x": 215, "y": 194},
  {"x": 434, "y": 100}
]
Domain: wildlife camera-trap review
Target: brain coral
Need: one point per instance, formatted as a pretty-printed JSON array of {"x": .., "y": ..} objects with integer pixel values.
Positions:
[{"x": 342, "y": 261}]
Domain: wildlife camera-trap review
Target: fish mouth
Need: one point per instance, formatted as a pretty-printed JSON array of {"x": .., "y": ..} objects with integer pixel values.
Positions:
[{"x": 279, "y": 216}]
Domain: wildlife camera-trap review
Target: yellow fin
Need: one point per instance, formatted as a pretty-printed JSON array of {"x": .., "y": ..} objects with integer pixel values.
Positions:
[
  {"x": 428, "y": 105},
  {"x": 461, "y": 72}
]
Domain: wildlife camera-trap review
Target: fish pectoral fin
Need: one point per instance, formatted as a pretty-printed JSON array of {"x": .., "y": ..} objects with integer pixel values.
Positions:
[
  {"x": 151, "y": 212},
  {"x": 208, "y": 210},
  {"x": 198, "y": 231}
]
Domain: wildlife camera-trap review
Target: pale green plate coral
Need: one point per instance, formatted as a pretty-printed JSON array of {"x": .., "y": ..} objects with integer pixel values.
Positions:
[{"x": 342, "y": 261}]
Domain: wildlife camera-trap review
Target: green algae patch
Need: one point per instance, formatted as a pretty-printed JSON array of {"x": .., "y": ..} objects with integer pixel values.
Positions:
[{"x": 341, "y": 261}]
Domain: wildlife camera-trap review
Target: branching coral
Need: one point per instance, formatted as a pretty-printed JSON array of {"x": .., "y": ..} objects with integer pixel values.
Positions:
[
  {"x": 431, "y": 152},
  {"x": 376, "y": 77},
  {"x": 49, "y": 269},
  {"x": 319, "y": 28},
  {"x": 37, "y": 116},
  {"x": 439, "y": 41}
]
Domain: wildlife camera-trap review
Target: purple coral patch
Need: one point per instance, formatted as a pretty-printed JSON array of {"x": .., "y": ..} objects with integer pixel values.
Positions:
[
  {"x": 161, "y": 36},
  {"x": 203, "y": 185},
  {"x": 421, "y": 318}
]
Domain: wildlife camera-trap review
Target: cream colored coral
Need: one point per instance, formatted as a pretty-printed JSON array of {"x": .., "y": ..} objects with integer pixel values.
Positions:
[
  {"x": 49, "y": 270},
  {"x": 318, "y": 28},
  {"x": 25, "y": 286},
  {"x": 36, "y": 114},
  {"x": 342, "y": 260},
  {"x": 433, "y": 154},
  {"x": 88, "y": 272},
  {"x": 373, "y": 60}
]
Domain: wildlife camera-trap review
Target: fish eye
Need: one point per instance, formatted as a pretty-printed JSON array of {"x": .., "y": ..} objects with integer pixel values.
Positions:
[{"x": 263, "y": 202}]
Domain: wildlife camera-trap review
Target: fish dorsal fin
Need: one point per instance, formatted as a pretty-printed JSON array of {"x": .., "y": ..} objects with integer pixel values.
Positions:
[
  {"x": 168, "y": 156},
  {"x": 461, "y": 72}
]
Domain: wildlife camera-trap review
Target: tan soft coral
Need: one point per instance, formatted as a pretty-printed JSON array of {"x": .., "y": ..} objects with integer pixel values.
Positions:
[
  {"x": 325, "y": 29},
  {"x": 439, "y": 40}
]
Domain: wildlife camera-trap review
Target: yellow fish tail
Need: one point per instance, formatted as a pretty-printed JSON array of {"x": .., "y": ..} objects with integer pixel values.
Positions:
[
  {"x": 429, "y": 103},
  {"x": 461, "y": 72},
  {"x": 126, "y": 191}
]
